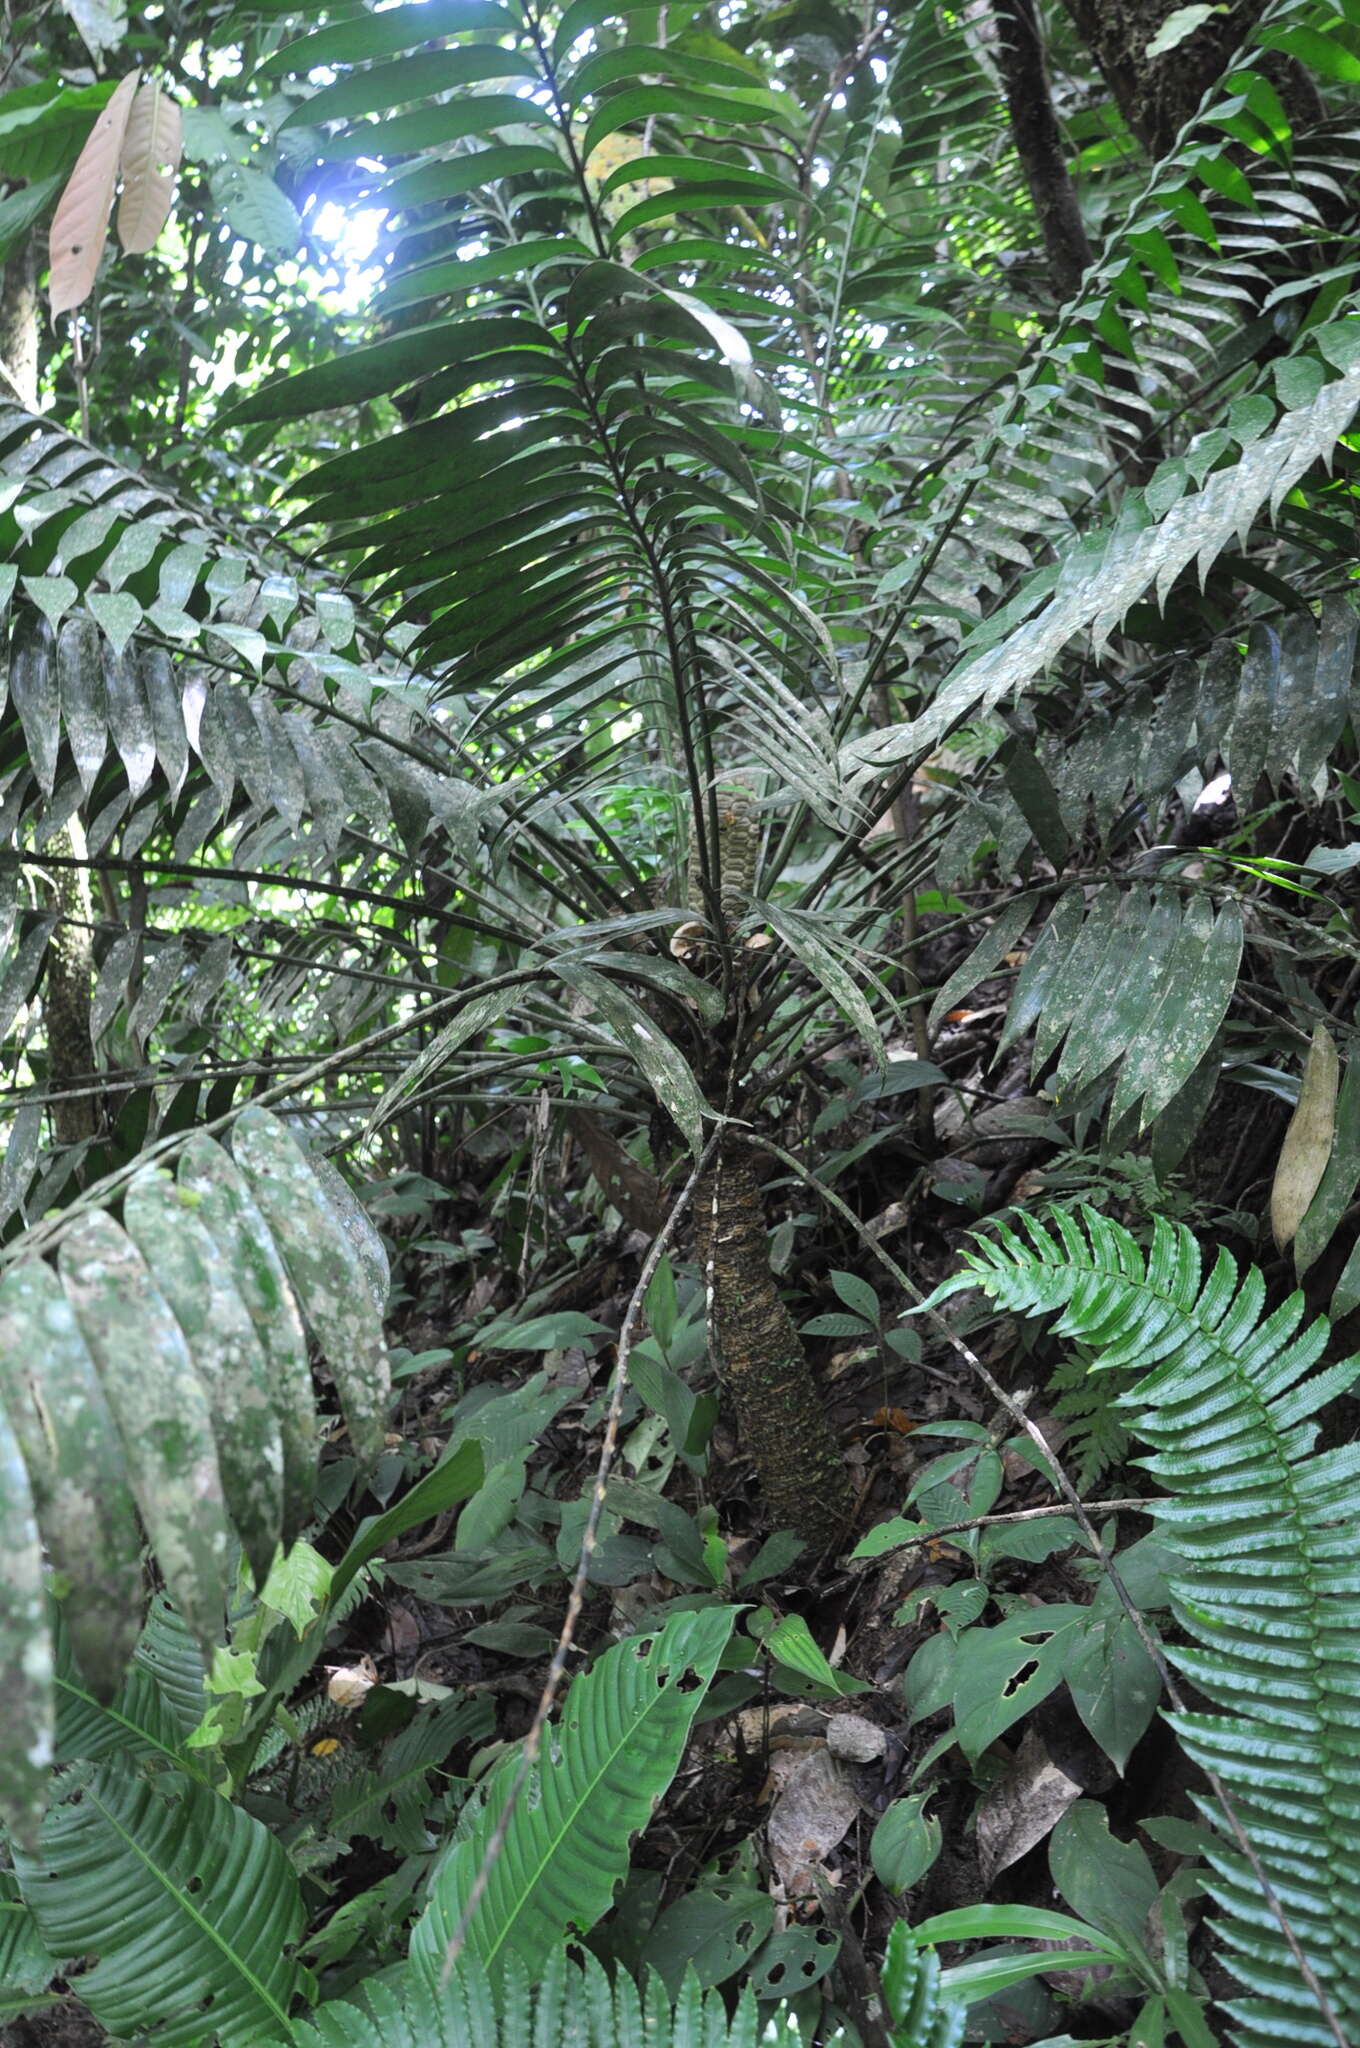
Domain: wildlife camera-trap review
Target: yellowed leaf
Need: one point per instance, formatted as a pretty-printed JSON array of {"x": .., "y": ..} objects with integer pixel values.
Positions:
[
  {"x": 150, "y": 158},
  {"x": 1308, "y": 1142},
  {"x": 81, "y": 221}
]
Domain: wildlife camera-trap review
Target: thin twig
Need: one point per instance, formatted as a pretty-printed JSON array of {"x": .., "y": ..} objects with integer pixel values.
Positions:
[
  {"x": 533, "y": 1741},
  {"x": 1097, "y": 1507}
]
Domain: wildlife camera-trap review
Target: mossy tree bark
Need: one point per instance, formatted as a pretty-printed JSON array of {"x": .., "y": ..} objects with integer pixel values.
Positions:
[{"x": 779, "y": 1413}]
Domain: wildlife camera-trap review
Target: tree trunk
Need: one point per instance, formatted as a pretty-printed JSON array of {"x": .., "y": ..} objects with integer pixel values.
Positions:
[
  {"x": 779, "y": 1412},
  {"x": 1157, "y": 95}
]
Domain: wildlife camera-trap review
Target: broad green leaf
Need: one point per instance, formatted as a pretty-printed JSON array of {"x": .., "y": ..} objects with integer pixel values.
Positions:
[
  {"x": 1115, "y": 1685},
  {"x": 256, "y": 208},
  {"x": 1108, "y": 1882},
  {"x": 162, "y": 1413},
  {"x": 381, "y": 87},
  {"x": 382, "y": 35},
  {"x": 1201, "y": 980},
  {"x": 603, "y": 1766},
  {"x": 238, "y": 1229},
  {"x": 1073, "y": 975},
  {"x": 75, "y": 1464},
  {"x": 25, "y": 1651},
  {"x": 1000, "y": 1673},
  {"x": 905, "y": 1843},
  {"x": 790, "y": 1643},
  {"x": 80, "y": 678},
  {"x": 201, "y": 1291},
  {"x": 187, "y": 1903},
  {"x": 1046, "y": 958},
  {"x": 325, "y": 1272}
]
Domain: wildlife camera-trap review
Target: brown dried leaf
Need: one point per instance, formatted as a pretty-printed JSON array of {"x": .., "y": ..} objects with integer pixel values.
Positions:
[
  {"x": 1308, "y": 1142},
  {"x": 81, "y": 221},
  {"x": 815, "y": 1808},
  {"x": 150, "y": 158},
  {"x": 1022, "y": 1807}
]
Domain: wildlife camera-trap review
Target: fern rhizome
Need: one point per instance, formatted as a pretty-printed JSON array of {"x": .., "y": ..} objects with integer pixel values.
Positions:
[{"x": 1268, "y": 1527}]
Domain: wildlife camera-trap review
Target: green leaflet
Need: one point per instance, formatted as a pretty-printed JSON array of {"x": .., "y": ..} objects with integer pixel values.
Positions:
[
  {"x": 605, "y": 1762},
  {"x": 1143, "y": 978},
  {"x": 162, "y": 1412},
  {"x": 237, "y": 1227},
  {"x": 75, "y": 1466},
  {"x": 324, "y": 1270},
  {"x": 667, "y": 1070},
  {"x": 1107, "y": 579},
  {"x": 991, "y": 949},
  {"x": 1268, "y": 1529},
  {"x": 25, "y": 1652},
  {"x": 181, "y": 1897},
  {"x": 201, "y": 1290}
]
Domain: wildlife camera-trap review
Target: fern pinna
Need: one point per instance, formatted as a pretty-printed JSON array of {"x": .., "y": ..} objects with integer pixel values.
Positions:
[{"x": 1269, "y": 1529}]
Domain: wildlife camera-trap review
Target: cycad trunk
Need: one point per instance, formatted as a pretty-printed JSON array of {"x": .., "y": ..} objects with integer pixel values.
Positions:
[{"x": 779, "y": 1412}]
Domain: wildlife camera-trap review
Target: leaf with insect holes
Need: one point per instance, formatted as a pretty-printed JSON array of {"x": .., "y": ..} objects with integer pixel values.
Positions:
[
  {"x": 151, "y": 149},
  {"x": 81, "y": 221}
]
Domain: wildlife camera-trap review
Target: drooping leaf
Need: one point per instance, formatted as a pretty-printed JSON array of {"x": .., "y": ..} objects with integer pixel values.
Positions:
[
  {"x": 151, "y": 147},
  {"x": 200, "y": 1288},
  {"x": 325, "y": 1271},
  {"x": 25, "y": 1651},
  {"x": 75, "y": 1465},
  {"x": 81, "y": 221},
  {"x": 162, "y": 1412}
]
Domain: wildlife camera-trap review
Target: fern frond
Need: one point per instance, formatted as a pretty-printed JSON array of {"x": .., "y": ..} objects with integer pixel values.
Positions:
[
  {"x": 579, "y": 2003},
  {"x": 1269, "y": 1529}
]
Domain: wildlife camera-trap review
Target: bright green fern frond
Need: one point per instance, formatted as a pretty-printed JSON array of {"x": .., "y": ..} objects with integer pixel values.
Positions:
[
  {"x": 1270, "y": 1598},
  {"x": 581, "y": 2004}
]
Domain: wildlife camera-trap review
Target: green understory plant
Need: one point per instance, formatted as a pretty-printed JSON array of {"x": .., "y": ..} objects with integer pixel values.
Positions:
[{"x": 1262, "y": 1526}]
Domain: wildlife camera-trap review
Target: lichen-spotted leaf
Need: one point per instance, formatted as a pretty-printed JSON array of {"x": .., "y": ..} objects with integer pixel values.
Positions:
[
  {"x": 25, "y": 1651},
  {"x": 162, "y": 1410},
  {"x": 75, "y": 1463},
  {"x": 232, "y": 1218},
  {"x": 325, "y": 1270},
  {"x": 198, "y": 1284}
]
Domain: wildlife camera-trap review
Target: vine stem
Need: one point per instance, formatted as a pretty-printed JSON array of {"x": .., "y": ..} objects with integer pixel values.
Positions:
[
  {"x": 1107, "y": 1564},
  {"x": 533, "y": 1741}
]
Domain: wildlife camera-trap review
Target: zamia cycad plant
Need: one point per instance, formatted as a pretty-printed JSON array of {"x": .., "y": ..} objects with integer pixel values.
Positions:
[{"x": 1269, "y": 1528}]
